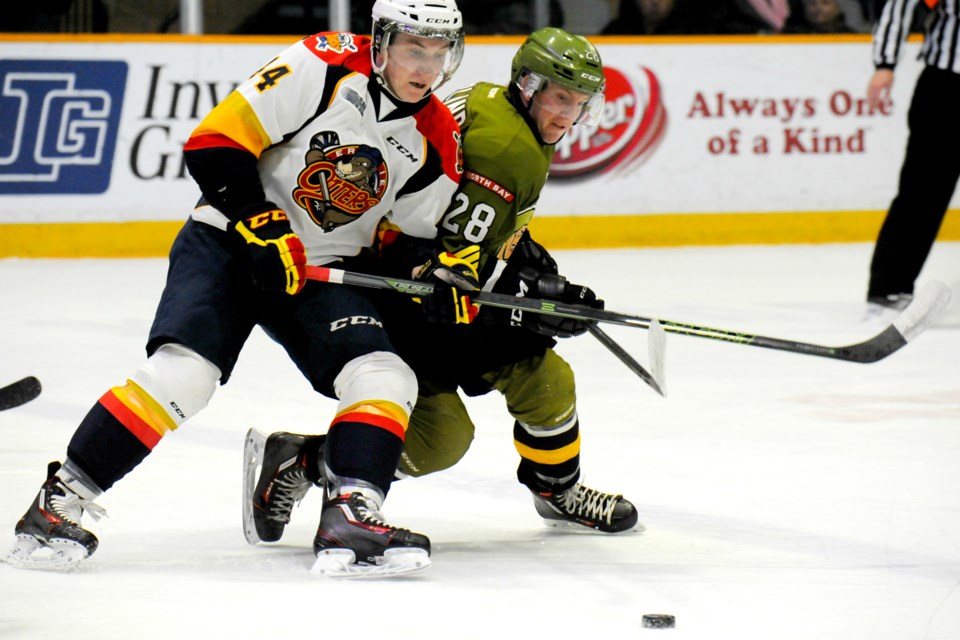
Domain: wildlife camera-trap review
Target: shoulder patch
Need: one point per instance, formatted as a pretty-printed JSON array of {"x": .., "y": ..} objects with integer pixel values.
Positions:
[{"x": 345, "y": 49}]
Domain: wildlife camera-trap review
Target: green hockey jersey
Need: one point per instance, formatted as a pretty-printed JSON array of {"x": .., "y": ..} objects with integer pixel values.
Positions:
[{"x": 505, "y": 168}]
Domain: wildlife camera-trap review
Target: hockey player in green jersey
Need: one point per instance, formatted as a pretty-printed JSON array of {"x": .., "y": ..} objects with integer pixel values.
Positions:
[{"x": 508, "y": 140}]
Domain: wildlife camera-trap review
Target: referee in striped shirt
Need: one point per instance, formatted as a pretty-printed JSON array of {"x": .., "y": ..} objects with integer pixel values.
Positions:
[{"x": 931, "y": 166}]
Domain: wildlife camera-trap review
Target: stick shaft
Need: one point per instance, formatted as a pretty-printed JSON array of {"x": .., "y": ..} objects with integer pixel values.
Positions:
[{"x": 871, "y": 350}]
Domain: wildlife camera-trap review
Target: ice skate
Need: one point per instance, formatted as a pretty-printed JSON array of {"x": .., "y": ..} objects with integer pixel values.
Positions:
[
  {"x": 885, "y": 309},
  {"x": 354, "y": 541},
  {"x": 283, "y": 482},
  {"x": 580, "y": 506},
  {"x": 49, "y": 534}
]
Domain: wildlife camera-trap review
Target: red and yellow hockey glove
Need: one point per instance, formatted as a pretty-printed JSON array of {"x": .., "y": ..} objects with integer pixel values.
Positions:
[
  {"x": 278, "y": 260},
  {"x": 452, "y": 276}
]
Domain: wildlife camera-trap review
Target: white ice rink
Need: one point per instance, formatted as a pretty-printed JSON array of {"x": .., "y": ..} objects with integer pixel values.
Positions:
[{"x": 786, "y": 497}]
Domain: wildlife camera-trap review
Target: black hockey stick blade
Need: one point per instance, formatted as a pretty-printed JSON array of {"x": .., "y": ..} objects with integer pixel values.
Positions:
[
  {"x": 18, "y": 393},
  {"x": 656, "y": 347},
  {"x": 911, "y": 322}
]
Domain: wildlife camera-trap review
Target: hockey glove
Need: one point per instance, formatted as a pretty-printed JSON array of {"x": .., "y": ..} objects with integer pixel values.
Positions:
[
  {"x": 451, "y": 276},
  {"x": 550, "y": 286},
  {"x": 278, "y": 260}
]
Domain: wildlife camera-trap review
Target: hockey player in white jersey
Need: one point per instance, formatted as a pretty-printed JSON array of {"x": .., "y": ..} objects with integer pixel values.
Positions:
[{"x": 300, "y": 164}]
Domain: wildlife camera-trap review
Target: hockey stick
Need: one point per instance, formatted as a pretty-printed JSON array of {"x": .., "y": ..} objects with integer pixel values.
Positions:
[
  {"x": 907, "y": 326},
  {"x": 656, "y": 345},
  {"x": 18, "y": 393}
]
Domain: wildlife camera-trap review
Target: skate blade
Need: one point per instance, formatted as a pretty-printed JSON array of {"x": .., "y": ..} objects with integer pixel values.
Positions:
[
  {"x": 340, "y": 563},
  {"x": 56, "y": 554},
  {"x": 576, "y": 527},
  {"x": 253, "y": 446}
]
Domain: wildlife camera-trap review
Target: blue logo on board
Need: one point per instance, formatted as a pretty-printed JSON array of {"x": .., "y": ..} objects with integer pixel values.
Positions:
[{"x": 58, "y": 124}]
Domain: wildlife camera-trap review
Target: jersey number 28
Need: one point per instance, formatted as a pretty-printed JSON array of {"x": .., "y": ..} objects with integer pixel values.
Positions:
[{"x": 477, "y": 226}]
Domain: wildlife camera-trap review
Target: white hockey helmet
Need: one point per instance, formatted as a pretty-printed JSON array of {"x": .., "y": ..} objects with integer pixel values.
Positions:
[{"x": 436, "y": 19}]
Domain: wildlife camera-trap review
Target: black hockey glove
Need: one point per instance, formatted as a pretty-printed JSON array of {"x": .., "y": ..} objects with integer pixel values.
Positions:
[
  {"x": 278, "y": 260},
  {"x": 452, "y": 275},
  {"x": 551, "y": 286},
  {"x": 532, "y": 272}
]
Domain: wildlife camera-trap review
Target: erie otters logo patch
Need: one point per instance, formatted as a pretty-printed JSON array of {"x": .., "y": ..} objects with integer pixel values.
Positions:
[
  {"x": 340, "y": 182},
  {"x": 336, "y": 42},
  {"x": 632, "y": 125}
]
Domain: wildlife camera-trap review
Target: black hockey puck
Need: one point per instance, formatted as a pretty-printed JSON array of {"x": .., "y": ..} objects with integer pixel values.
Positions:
[{"x": 659, "y": 621}]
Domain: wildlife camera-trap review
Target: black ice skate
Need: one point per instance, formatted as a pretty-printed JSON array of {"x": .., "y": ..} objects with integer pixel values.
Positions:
[
  {"x": 580, "y": 506},
  {"x": 354, "y": 541},
  {"x": 894, "y": 301},
  {"x": 884, "y": 309},
  {"x": 283, "y": 481},
  {"x": 49, "y": 534}
]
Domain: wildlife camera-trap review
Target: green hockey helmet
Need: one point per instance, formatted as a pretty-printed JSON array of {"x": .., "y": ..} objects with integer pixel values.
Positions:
[{"x": 553, "y": 55}]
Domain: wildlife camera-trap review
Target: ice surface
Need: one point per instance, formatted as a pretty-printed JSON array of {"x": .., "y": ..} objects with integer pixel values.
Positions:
[{"x": 785, "y": 496}]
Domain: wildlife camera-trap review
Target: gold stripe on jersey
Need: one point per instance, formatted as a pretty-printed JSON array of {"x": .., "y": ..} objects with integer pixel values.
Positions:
[
  {"x": 471, "y": 255},
  {"x": 236, "y": 119}
]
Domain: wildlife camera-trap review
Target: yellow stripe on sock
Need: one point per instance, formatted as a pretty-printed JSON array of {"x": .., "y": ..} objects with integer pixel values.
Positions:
[
  {"x": 554, "y": 456},
  {"x": 383, "y": 408},
  {"x": 135, "y": 398}
]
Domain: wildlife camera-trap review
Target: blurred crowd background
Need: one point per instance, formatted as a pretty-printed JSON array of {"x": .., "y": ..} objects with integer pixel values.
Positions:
[{"x": 481, "y": 17}]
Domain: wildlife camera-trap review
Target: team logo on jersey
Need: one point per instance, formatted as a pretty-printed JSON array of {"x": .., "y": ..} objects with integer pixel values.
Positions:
[
  {"x": 633, "y": 123},
  {"x": 340, "y": 182},
  {"x": 58, "y": 124},
  {"x": 336, "y": 42}
]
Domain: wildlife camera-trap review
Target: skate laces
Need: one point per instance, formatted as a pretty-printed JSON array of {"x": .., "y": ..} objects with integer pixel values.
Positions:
[
  {"x": 368, "y": 513},
  {"x": 290, "y": 489},
  {"x": 69, "y": 507},
  {"x": 588, "y": 503}
]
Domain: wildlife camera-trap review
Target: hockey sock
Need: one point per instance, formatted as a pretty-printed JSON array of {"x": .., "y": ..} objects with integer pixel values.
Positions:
[
  {"x": 117, "y": 434},
  {"x": 365, "y": 442},
  {"x": 550, "y": 456}
]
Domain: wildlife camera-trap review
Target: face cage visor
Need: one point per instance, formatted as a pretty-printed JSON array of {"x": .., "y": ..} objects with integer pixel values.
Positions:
[
  {"x": 384, "y": 32},
  {"x": 530, "y": 84}
]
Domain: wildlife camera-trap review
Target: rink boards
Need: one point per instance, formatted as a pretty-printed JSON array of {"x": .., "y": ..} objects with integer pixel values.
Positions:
[{"x": 704, "y": 141}]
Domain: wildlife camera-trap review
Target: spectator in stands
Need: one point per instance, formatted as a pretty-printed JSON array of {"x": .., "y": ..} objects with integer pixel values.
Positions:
[
  {"x": 588, "y": 16},
  {"x": 750, "y": 16},
  {"x": 494, "y": 17},
  {"x": 293, "y": 17},
  {"x": 818, "y": 16},
  {"x": 660, "y": 17},
  {"x": 55, "y": 16}
]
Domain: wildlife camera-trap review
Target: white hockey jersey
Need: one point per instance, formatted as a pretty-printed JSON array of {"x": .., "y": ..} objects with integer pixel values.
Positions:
[{"x": 332, "y": 149}]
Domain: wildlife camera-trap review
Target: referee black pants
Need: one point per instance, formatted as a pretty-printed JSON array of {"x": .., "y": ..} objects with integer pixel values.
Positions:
[{"x": 928, "y": 178}]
